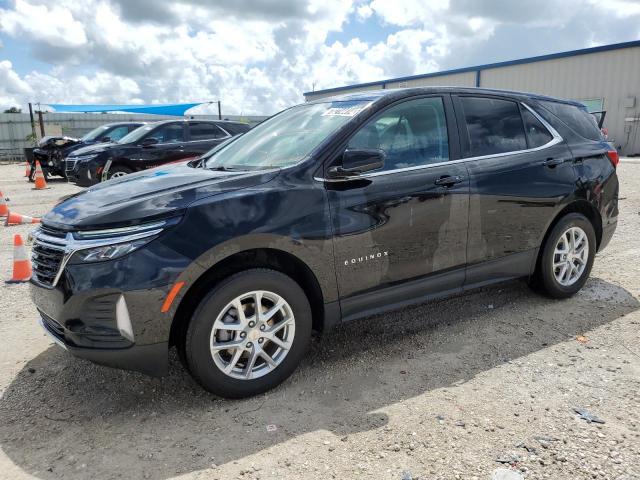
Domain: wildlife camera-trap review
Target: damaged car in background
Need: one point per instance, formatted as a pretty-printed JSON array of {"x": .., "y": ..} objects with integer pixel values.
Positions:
[{"x": 53, "y": 150}]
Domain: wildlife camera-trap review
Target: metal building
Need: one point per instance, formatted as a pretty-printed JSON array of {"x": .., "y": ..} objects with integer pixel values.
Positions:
[{"x": 603, "y": 78}]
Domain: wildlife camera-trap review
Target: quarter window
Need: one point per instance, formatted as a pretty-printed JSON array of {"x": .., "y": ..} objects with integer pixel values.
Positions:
[
  {"x": 537, "y": 134},
  {"x": 411, "y": 134},
  {"x": 581, "y": 122},
  {"x": 205, "y": 131},
  {"x": 494, "y": 126}
]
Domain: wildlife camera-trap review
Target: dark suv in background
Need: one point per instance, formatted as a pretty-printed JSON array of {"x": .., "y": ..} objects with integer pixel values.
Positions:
[
  {"x": 52, "y": 151},
  {"x": 327, "y": 212},
  {"x": 149, "y": 146}
]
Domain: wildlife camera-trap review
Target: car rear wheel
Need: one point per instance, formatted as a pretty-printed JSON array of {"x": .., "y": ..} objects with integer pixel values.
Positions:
[
  {"x": 567, "y": 257},
  {"x": 248, "y": 334}
]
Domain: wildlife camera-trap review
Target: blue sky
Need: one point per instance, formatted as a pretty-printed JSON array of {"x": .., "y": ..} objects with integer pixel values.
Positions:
[{"x": 258, "y": 56}]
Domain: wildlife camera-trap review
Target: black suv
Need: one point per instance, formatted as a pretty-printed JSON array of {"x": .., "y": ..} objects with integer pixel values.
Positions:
[
  {"x": 52, "y": 151},
  {"x": 329, "y": 211},
  {"x": 149, "y": 146}
]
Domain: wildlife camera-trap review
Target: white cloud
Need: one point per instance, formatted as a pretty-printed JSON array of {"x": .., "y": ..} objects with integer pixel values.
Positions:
[
  {"x": 258, "y": 56},
  {"x": 53, "y": 26}
]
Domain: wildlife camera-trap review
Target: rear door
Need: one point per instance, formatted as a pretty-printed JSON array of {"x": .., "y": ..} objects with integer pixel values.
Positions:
[
  {"x": 203, "y": 136},
  {"x": 520, "y": 171},
  {"x": 403, "y": 226}
]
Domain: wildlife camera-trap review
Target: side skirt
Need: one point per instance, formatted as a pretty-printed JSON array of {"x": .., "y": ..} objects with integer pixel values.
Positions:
[{"x": 437, "y": 286}]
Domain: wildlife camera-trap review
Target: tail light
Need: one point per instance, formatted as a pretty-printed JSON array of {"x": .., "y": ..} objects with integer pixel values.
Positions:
[{"x": 614, "y": 158}]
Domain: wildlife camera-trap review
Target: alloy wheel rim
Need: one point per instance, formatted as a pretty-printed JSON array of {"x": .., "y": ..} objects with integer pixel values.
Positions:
[
  {"x": 252, "y": 335},
  {"x": 570, "y": 256},
  {"x": 117, "y": 174}
]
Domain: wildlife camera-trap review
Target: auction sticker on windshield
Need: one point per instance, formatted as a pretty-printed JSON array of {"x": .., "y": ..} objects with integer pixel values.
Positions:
[{"x": 345, "y": 109}]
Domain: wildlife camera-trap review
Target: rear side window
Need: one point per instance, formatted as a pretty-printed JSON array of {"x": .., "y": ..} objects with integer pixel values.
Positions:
[
  {"x": 411, "y": 134},
  {"x": 205, "y": 131},
  {"x": 576, "y": 118},
  {"x": 537, "y": 134},
  {"x": 494, "y": 126},
  {"x": 236, "y": 128}
]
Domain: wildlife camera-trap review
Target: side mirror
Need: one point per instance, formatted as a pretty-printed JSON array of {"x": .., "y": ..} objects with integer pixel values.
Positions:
[
  {"x": 106, "y": 139},
  {"x": 356, "y": 162},
  {"x": 147, "y": 142}
]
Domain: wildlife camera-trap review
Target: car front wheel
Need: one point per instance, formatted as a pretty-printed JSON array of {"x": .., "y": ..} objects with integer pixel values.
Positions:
[
  {"x": 248, "y": 334},
  {"x": 117, "y": 172}
]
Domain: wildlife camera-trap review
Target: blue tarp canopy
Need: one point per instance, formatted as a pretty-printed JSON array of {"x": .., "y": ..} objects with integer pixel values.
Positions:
[{"x": 155, "y": 109}]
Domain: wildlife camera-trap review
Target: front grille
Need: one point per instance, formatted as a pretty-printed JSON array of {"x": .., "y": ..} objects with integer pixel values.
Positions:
[
  {"x": 53, "y": 232},
  {"x": 69, "y": 165},
  {"x": 47, "y": 254}
]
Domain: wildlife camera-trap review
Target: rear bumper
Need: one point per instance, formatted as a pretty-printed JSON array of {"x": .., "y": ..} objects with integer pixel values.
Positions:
[
  {"x": 607, "y": 234},
  {"x": 148, "y": 359}
]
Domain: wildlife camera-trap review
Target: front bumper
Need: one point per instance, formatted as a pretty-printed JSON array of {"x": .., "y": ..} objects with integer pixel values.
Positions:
[
  {"x": 111, "y": 312},
  {"x": 148, "y": 359},
  {"x": 82, "y": 173}
]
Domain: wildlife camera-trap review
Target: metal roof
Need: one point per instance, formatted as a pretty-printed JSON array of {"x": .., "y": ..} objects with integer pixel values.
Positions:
[{"x": 539, "y": 58}]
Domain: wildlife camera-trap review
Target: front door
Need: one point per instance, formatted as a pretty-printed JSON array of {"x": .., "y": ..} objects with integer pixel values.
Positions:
[
  {"x": 169, "y": 147},
  {"x": 407, "y": 220}
]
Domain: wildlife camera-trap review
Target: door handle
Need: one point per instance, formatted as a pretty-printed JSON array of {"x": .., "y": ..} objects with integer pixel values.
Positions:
[
  {"x": 448, "y": 180},
  {"x": 553, "y": 162}
]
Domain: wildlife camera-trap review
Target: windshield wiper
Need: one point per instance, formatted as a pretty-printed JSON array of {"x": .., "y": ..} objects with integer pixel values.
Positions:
[{"x": 222, "y": 168}]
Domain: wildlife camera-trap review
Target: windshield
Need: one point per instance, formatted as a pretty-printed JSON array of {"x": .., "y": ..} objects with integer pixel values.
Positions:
[
  {"x": 137, "y": 134},
  {"x": 285, "y": 139},
  {"x": 95, "y": 133}
]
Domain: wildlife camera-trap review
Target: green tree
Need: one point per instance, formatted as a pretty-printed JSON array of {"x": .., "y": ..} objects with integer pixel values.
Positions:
[{"x": 13, "y": 110}]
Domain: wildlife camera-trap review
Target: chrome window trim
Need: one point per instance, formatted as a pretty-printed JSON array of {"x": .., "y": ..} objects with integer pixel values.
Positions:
[
  {"x": 557, "y": 138},
  {"x": 69, "y": 245}
]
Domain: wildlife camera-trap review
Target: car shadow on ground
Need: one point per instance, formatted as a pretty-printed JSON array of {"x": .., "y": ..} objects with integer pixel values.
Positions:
[{"x": 66, "y": 417}]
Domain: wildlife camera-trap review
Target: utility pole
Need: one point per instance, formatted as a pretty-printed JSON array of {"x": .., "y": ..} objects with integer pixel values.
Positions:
[
  {"x": 219, "y": 110},
  {"x": 41, "y": 120},
  {"x": 33, "y": 122}
]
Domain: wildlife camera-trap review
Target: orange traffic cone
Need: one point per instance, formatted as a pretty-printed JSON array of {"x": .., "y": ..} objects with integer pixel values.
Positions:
[
  {"x": 27, "y": 170},
  {"x": 17, "y": 219},
  {"x": 21, "y": 262},
  {"x": 4, "y": 209},
  {"x": 41, "y": 183}
]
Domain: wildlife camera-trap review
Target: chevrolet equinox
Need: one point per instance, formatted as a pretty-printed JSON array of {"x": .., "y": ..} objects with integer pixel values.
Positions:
[{"x": 328, "y": 211}]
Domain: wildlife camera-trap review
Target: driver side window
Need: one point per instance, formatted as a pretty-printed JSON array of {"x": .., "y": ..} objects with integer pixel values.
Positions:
[
  {"x": 411, "y": 134},
  {"x": 117, "y": 133}
]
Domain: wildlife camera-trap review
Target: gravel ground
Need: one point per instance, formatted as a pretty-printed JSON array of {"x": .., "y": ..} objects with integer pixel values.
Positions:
[{"x": 480, "y": 386}]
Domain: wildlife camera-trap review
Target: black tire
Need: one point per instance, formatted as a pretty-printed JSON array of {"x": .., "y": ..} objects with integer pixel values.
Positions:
[
  {"x": 196, "y": 346},
  {"x": 119, "y": 170},
  {"x": 544, "y": 279}
]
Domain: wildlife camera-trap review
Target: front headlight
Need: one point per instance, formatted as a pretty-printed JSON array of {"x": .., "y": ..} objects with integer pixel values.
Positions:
[
  {"x": 108, "y": 244},
  {"x": 83, "y": 158},
  {"x": 108, "y": 252}
]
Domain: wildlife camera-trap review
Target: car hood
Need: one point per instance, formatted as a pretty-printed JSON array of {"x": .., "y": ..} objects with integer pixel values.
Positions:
[
  {"x": 145, "y": 196},
  {"x": 91, "y": 149}
]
